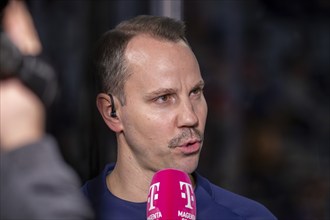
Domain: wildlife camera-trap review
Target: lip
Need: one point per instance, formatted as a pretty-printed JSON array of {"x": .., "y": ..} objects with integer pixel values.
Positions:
[{"x": 190, "y": 147}]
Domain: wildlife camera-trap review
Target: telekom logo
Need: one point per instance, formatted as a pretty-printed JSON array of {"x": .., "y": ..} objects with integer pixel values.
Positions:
[
  {"x": 187, "y": 194},
  {"x": 154, "y": 188}
]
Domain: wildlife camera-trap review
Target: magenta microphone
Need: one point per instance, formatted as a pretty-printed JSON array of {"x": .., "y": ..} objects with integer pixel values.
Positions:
[{"x": 171, "y": 196}]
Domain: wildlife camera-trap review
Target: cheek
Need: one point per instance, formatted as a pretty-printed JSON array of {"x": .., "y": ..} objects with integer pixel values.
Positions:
[
  {"x": 158, "y": 127},
  {"x": 201, "y": 111},
  {"x": 205, "y": 111},
  {"x": 146, "y": 128}
]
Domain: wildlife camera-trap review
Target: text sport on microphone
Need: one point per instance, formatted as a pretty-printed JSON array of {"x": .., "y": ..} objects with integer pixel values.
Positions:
[{"x": 171, "y": 196}]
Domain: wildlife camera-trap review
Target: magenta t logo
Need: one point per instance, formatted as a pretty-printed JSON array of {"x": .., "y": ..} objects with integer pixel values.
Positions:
[
  {"x": 188, "y": 193},
  {"x": 171, "y": 196},
  {"x": 154, "y": 188}
]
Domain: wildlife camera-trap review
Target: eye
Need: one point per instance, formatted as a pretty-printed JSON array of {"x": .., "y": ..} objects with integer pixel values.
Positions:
[
  {"x": 197, "y": 91},
  {"x": 163, "y": 98}
]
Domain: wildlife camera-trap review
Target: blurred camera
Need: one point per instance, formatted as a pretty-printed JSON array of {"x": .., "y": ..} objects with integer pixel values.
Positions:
[{"x": 35, "y": 73}]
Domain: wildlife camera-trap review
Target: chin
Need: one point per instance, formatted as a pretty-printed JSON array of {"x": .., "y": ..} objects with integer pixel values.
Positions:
[{"x": 188, "y": 167}]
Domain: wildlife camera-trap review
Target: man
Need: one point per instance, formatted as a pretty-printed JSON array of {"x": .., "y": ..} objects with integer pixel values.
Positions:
[{"x": 152, "y": 98}]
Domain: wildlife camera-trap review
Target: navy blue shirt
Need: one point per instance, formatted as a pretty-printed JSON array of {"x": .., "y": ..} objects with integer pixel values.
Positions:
[{"x": 212, "y": 202}]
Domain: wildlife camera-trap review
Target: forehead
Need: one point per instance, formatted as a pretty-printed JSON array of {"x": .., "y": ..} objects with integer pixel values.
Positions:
[
  {"x": 154, "y": 63},
  {"x": 142, "y": 46}
]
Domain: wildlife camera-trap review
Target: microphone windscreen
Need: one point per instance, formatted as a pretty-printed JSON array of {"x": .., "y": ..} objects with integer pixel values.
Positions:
[{"x": 171, "y": 196}]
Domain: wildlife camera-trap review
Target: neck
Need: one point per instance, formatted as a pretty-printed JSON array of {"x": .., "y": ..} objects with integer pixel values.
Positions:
[{"x": 128, "y": 181}]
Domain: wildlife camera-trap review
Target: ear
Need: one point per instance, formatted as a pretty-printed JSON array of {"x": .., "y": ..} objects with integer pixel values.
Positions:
[{"x": 104, "y": 106}]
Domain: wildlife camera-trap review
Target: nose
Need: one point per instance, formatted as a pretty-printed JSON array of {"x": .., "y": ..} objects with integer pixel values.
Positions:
[{"x": 187, "y": 116}]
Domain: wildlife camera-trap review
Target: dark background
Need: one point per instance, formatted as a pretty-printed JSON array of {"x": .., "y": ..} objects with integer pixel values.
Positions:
[{"x": 266, "y": 67}]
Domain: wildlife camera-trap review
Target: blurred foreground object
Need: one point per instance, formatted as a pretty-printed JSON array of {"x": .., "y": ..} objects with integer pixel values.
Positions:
[
  {"x": 34, "y": 72},
  {"x": 35, "y": 181},
  {"x": 18, "y": 24}
]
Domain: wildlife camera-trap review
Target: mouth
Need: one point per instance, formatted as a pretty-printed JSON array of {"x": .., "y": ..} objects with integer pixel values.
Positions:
[
  {"x": 190, "y": 147},
  {"x": 188, "y": 142}
]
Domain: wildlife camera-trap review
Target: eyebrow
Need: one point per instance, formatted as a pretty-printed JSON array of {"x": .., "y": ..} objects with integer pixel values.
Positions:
[
  {"x": 163, "y": 91},
  {"x": 200, "y": 84},
  {"x": 160, "y": 92}
]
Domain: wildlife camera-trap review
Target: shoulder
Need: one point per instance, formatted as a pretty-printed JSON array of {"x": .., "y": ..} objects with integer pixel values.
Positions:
[
  {"x": 96, "y": 187},
  {"x": 230, "y": 202}
]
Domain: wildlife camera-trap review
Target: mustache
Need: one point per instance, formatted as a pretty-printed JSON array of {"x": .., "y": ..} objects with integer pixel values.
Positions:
[{"x": 188, "y": 133}]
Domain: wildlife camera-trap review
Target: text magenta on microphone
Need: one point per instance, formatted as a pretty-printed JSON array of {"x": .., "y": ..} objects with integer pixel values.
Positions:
[{"x": 171, "y": 196}]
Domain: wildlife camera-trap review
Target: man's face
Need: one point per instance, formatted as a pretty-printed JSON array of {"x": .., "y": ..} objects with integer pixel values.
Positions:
[{"x": 165, "y": 111}]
